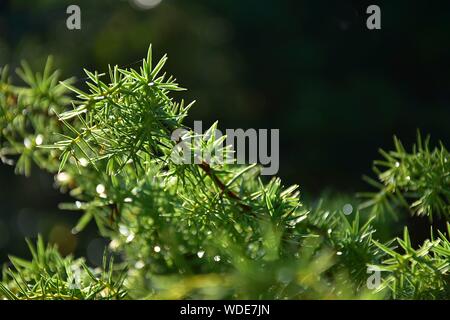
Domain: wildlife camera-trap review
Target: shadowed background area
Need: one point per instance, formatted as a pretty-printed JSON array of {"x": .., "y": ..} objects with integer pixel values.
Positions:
[{"x": 336, "y": 90}]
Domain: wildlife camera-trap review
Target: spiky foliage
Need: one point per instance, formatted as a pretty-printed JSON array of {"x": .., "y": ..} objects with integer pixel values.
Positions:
[
  {"x": 50, "y": 276},
  {"x": 422, "y": 273},
  {"x": 348, "y": 235},
  {"x": 417, "y": 180},
  {"x": 27, "y": 117},
  {"x": 202, "y": 229}
]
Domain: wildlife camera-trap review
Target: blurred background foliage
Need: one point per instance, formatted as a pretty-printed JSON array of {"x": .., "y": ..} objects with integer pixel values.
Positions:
[{"x": 336, "y": 90}]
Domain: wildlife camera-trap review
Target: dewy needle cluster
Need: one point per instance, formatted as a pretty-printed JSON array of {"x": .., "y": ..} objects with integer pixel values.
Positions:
[{"x": 203, "y": 228}]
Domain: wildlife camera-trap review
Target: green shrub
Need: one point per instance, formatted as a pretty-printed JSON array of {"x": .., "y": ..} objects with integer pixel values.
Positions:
[{"x": 203, "y": 230}]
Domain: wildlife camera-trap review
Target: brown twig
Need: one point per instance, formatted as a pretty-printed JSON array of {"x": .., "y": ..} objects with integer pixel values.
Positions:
[{"x": 210, "y": 173}]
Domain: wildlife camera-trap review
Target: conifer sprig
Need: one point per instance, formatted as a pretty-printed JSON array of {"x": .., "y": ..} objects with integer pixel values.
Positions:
[
  {"x": 418, "y": 180},
  {"x": 50, "y": 276},
  {"x": 202, "y": 229},
  {"x": 422, "y": 273}
]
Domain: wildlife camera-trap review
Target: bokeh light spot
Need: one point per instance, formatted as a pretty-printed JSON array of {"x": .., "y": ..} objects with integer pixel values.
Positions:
[
  {"x": 347, "y": 209},
  {"x": 62, "y": 236},
  {"x": 145, "y": 4}
]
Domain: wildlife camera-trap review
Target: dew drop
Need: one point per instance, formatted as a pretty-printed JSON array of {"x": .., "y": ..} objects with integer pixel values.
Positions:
[
  {"x": 27, "y": 143},
  {"x": 63, "y": 177},
  {"x": 130, "y": 237},
  {"x": 347, "y": 209},
  {"x": 124, "y": 230},
  {"x": 114, "y": 244},
  {"x": 84, "y": 162},
  {"x": 100, "y": 189},
  {"x": 39, "y": 139}
]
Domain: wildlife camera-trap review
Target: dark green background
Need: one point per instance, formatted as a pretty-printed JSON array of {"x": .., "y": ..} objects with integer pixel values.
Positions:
[{"x": 336, "y": 90}]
